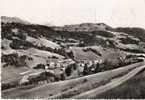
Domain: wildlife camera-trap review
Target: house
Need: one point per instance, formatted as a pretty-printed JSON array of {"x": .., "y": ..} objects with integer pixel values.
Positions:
[
  {"x": 24, "y": 79},
  {"x": 29, "y": 74}
]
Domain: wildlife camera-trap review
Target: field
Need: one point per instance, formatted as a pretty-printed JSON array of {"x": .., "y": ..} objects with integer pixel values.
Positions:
[
  {"x": 72, "y": 61},
  {"x": 51, "y": 89},
  {"x": 111, "y": 85},
  {"x": 11, "y": 73},
  {"x": 132, "y": 89}
]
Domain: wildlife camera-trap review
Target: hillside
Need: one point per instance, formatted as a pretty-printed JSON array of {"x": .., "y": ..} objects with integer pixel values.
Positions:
[
  {"x": 124, "y": 91},
  {"x": 6, "y": 19},
  {"x": 35, "y": 54},
  {"x": 83, "y": 27}
]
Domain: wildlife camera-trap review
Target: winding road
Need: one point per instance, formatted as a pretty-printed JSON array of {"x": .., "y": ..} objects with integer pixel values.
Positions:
[
  {"x": 56, "y": 88},
  {"x": 111, "y": 85}
]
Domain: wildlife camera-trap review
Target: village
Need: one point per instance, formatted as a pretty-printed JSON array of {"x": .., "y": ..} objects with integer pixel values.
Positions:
[{"x": 58, "y": 71}]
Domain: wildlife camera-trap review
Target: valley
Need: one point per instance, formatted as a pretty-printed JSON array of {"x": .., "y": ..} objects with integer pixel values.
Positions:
[{"x": 71, "y": 61}]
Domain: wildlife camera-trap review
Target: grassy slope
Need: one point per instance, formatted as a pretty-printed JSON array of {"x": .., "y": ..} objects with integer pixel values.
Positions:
[
  {"x": 132, "y": 89},
  {"x": 137, "y": 32},
  {"x": 11, "y": 73},
  {"x": 54, "y": 88}
]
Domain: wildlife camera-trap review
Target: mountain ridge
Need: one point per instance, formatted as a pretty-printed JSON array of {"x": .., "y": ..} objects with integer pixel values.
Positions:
[
  {"x": 5, "y": 19},
  {"x": 63, "y": 49}
]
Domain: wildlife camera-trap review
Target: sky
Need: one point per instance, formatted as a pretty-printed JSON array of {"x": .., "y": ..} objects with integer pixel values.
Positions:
[{"x": 115, "y": 13}]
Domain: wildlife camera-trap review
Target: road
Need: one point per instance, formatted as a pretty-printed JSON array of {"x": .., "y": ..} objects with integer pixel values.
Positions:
[
  {"x": 88, "y": 85},
  {"x": 109, "y": 86},
  {"x": 46, "y": 90}
]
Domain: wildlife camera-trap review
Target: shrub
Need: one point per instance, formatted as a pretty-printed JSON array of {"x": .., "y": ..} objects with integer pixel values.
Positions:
[
  {"x": 14, "y": 59},
  {"x": 68, "y": 70},
  {"x": 9, "y": 85},
  {"x": 137, "y": 32},
  {"x": 104, "y": 34},
  {"x": 20, "y": 44},
  {"x": 128, "y": 40},
  {"x": 40, "y": 66}
]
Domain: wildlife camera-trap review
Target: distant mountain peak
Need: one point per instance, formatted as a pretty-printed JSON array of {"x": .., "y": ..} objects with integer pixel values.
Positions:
[{"x": 5, "y": 19}]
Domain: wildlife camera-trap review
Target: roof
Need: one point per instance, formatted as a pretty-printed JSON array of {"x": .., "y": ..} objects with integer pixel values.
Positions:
[{"x": 32, "y": 71}]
